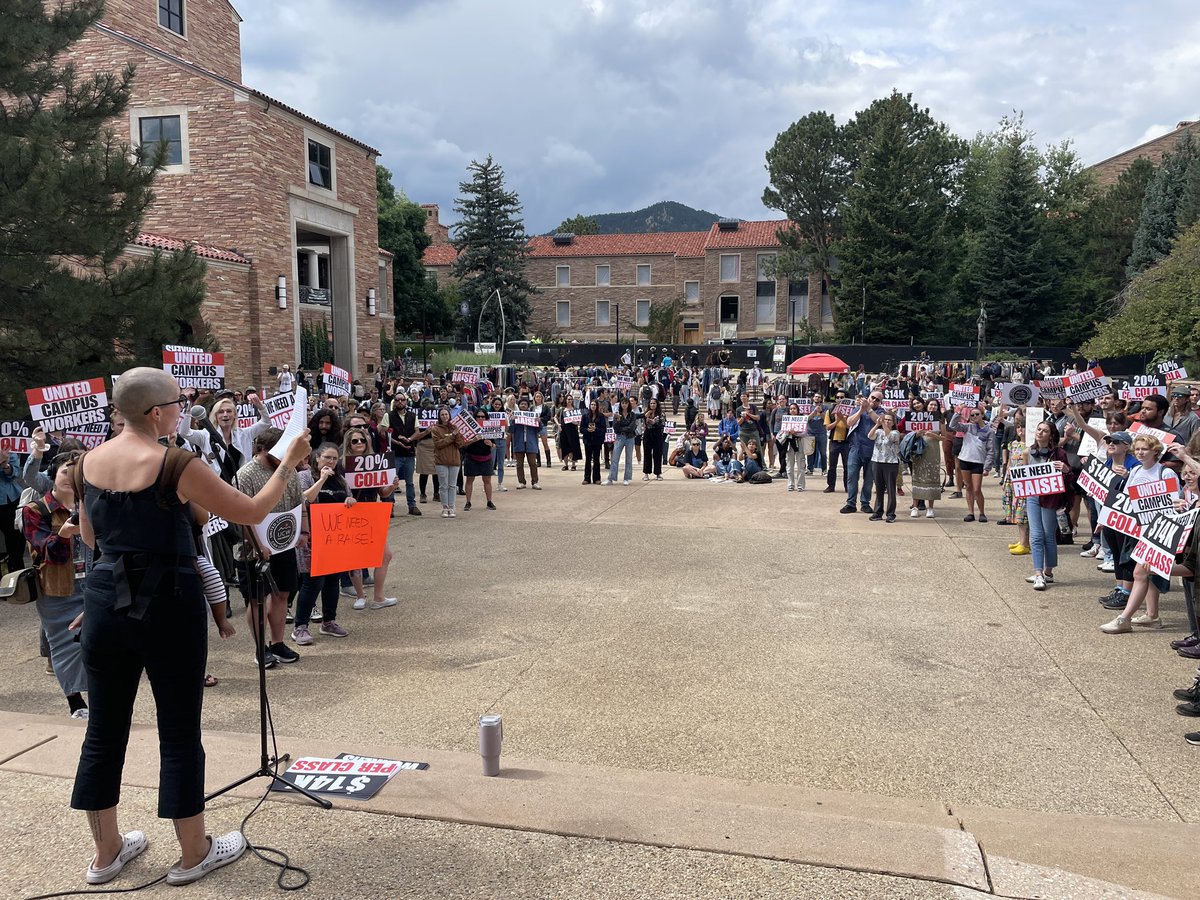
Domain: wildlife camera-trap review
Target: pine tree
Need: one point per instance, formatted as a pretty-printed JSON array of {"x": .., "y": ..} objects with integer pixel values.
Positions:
[
  {"x": 895, "y": 242},
  {"x": 1112, "y": 222},
  {"x": 72, "y": 198},
  {"x": 1159, "y": 220},
  {"x": 579, "y": 224},
  {"x": 491, "y": 242}
]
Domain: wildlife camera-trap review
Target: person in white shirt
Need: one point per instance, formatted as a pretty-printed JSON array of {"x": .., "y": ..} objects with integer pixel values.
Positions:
[
  {"x": 755, "y": 376},
  {"x": 286, "y": 379}
]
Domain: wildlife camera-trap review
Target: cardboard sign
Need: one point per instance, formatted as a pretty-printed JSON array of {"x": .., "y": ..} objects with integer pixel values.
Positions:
[
  {"x": 622, "y": 382},
  {"x": 1034, "y": 416},
  {"x": 466, "y": 425},
  {"x": 247, "y": 416},
  {"x": 572, "y": 416},
  {"x": 194, "y": 368},
  {"x": 1019, "y": 394},
  {"x": 1140, "y": 387},
  {"x": 1150, "y": 499},
  {"x": 1052, "y": 388},
  {"x": 359, "y": 777},
  {"x": 794, "y": 425},
  {"x": 1164, "y": 437},
  {"x": 427, "y": 418},
  {"x": 370, "y": 470},
  {"x": 60, "y": 407},
  {"x": 963, "y": 395},
  {"x": 1097, "y": 479},
  {"x": 525, "y": 417},
  {"x": 15, "y": 437},
  {"x": 1088, "y": 445},
  {"x": 345, "y": 539},
  {"x": 610, "y": 436},
  {"x": 1087, "y": 385},
  {"x": 1036, "y": 480},
  {"x": 846, "y": 410},
  {"x": 465, "y": 375},
  {"x": 280, "y": 532},
  {"x": 897, "y": 398},
  {"x": 1171, "y": 371},
  {"x": 215, "y": 525},
  {"x": 279, "y": 409},
  {"x": 336, "y": 380},
  {"x": 91, "y": 436},
  {"x": 1162, "y": 539},
  {"x": 922, "y": 421}
]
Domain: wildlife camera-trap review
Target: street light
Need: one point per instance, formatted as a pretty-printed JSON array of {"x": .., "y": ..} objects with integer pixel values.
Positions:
[
  {"x": 618, "y": 308},
  {"x": 862, "y": 335}
]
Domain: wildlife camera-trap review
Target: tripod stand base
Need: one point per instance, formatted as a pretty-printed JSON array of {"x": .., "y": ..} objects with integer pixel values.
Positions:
[{"x": 265, "y": 771}]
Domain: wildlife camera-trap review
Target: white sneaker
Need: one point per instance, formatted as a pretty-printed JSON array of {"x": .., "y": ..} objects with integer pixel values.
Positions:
[
  {"x": 929, "y": 514},
  {"x": 360, "y": 602},
  {"x": 1039, "y": 583},
  {"x": 913, "y": 513},
  {"x": 628, "y": 481},
  {"x": 450, "y": 514},
  {"x": 791, "y": 487},
  {"x": 1144, "y": 621},
  {"x": 384, "y": 603},
  {"x": 607, "y": 481},
  {"x": 503, "y": 488},
  {"x": 1119, "y": 625},
  {"x": 1107, "y": 566},
  {"x": 1090, "y": 553}
]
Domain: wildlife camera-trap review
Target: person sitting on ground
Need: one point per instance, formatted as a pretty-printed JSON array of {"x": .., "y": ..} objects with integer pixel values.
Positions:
[
  {"x": 695, "y": 461},
  {"x": 752, "y": 461},
  {"x": 725, "y": 461}
]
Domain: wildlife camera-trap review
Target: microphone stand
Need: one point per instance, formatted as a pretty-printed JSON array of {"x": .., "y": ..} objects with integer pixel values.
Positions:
[{"x": 268, "y": 766}]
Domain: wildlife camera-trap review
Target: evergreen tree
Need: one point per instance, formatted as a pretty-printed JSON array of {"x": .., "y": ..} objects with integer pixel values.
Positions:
[
  {"x": 896, "y": 244},
  {"x": 579, "y": 224},
  {"x": 1159, "y": 220},
  {"x": 1112, "y": 221},
  {"x": 491, "y": 242},
  {"x": 72, "y": 198},
  {"x": 809, "y": 177},
  {"x": 1068, "y": 193}
]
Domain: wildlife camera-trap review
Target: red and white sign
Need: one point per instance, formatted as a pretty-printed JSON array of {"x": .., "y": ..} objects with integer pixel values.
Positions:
[
  {"x": 247, "y": 415},
  {"x": 1151, "y": 499},
  {"x": 1140, "y": 387},
  {"x": 279, "y": 409},
  {"x": 846, "y": 410},
  {"x": 526, "y": 417},
  {"x": 497, "y": 423},
  {"x": 1121, "y": 516},
  {"x": 1162, "y": 539},
  {"x": 1036, "y": 480},
  {"x": 1171, "y": 371},
  {"x": 572, "y": 416},
  {"x": 963, "y": 395},
  {"x": 60, "y": 407},
  {"x": 15, "y": 437},
  {"x": 1164, "y": 437},
  {"x": 465, "y": 375},
  {"x": 610, "y": 437},
  {"x": 1097, "y": 479},
  {"x": 1052, "y": 388},
  {"x": 622, "y": 382},
  {"x": 336, "y": 381},
  {"x": 194, "y": 368},
  {"x": 793, "y": 425},
  {"x": 897, "y": 398},
  {"x": 89, "y": 435},
  {"x": 370, "y": 470},
  {"x": 464, "y": 424},
  {"x": 922, "y": 421},
  {"x": 1087, "y": 385}
]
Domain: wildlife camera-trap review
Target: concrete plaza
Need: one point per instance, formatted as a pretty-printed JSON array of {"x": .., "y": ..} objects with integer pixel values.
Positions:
[{"x": 707, "y": 690}]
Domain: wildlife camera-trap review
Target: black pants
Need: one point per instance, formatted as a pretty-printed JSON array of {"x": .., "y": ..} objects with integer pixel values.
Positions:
[
  {"x": 14, "y": 541},
  {"x": 170, "y": 644},
  {"x": 652, "y": 455},
  {"x": 591, "y": 463},
  {"x": 329, "y": 587},
  {"x": 885, "y": 480},
  {"x": 837, "y": 450},
  {"x": 424, "y": 483}
]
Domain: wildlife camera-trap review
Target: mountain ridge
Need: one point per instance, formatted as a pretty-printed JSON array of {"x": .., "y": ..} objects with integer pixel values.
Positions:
[{"x": 666, "y": 215}]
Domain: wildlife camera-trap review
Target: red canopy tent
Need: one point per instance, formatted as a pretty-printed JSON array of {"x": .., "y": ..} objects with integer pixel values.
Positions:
[{"x": 817, "y": 364}]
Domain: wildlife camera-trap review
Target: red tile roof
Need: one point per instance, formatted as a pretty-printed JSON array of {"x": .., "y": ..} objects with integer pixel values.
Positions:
[
  {"x": 439, "y": 255},
  {"x": 207, "y": 251},
  {"x": 674, "y": 243},
  {"x": 748, "y": 234}
]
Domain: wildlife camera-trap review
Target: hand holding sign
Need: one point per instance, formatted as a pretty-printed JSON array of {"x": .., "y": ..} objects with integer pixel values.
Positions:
[{"x": 295, "y": 426}]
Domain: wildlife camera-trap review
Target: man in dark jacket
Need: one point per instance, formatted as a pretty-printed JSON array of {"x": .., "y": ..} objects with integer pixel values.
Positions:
[{"x": 403, "y": 422}]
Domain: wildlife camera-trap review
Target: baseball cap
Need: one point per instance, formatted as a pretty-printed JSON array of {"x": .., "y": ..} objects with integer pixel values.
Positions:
[
  {"x": 1180, "y": 391},
  {"x": 1119, "y": 437}
]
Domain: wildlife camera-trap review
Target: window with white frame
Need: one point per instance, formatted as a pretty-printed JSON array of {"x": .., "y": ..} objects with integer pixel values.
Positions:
[
  {"x": 691, "y": 291},
  {"x": 603, "y": 276},
  {"x": 562, "y": 276},
  {"x": 603, "y": 314},
  {"x": 562, "y": 315},
  {"x": 642, "y": 313},
  {"x": 731, "y": 267},
  {"x": 643, "y": 274}
]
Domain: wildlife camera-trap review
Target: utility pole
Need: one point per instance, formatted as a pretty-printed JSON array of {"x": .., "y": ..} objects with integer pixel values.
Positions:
[{"x": 618, "y": 308}]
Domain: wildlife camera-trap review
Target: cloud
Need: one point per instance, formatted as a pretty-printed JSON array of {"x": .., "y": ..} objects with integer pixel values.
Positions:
[{"x": 600, "y": 105}]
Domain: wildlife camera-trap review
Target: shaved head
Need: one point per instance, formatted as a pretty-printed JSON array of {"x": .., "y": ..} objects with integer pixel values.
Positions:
[{"x": 143, "y": 387}]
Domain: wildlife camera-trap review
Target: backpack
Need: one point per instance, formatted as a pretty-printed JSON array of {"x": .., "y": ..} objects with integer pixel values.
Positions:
[
  {"x": 19, "y": 586},
  {"x": 29, "y": 495},
  {"x": 912, "y": 445},
  {"x": 760, "y": 477}
]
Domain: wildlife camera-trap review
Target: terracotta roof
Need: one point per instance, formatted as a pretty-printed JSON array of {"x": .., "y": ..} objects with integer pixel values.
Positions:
[
  {"x": 208, "y": 251},
  {"x": 748, "y": 234},
  {"x": 388, "y": 253},
  {"x": 439, "y": 255},
  {"x": 673, "y": 243},
  {"x": 220, "y": 79}
]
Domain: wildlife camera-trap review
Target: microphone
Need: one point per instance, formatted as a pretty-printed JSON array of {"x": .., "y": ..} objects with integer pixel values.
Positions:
[{"x": 199, "y": 412}]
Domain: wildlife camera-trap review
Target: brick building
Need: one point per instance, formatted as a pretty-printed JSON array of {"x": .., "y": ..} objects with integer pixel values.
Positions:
[
  {"x": 270, "y": 197},
  {"x": 1109, "y": 170},
  {"x": 722, "y": 277}
]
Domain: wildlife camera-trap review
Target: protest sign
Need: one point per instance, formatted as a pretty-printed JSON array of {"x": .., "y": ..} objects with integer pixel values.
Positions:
[
  {"x": 15, "y": 436},
  {"x": 1165, "y": 437},
  {"x": 370, "y": 470},
  {"x": 465, "y": 375},
  {"x": 931, "y": 395},
  {"x": 1034, "y": 416},
  {"x": 214, "y": 525},
  {"x": 1090, "y": 384},
  {"x": 1171, "y": 371},
  {"x": 922, "y": 421},
  {"x": 622, "y": 382},
  {"x": 1140, "y": 387},
  {"x": 793, "y": 425},
  {"x": 427, "y": 418},
  {"x": 280, "y": 531},
  {"x": 1162, "y": 539},
  {"x": 1097, "y": 479},
  {"x": 1036, "y": 479},
  {"x": 1015, "y": 394},
  {"x": 670, "y": 426},
  {"x": 497, "y": 422},
  {"x": 359, "y": 777},
  {"x": 60, "y": 407},
  {"x": 296, "y": 423},
  {"x": 1052, "y": 388},
  {"x": 90, "y": 436},
  {"x": 610, "y": 436},
  {"x": 247, "y": 416},
  {"x": 963, "y": 395},
  {"x": 805, "y": 407},
  {"x": 336, "y": 381},
  {"x": 1151, "y": 498},
  {"x": 572, "y": 416},
  {"x": 895, "y": 398},
  {"x": 345, "y": 539},
  {"x": 194, "y": 368},
  {"x": 526, "y": 417},
  {"x": 1121, "y": 515},
  {"x": 279, "y": 409},
  {"x": 847, "y": 409},
  {"x": 466, "y": 426},
  {"x": 1088, "y": 446}
]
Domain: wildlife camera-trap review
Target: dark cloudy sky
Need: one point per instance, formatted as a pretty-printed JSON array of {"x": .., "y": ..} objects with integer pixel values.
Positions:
[{"x": 609, "y": 105}]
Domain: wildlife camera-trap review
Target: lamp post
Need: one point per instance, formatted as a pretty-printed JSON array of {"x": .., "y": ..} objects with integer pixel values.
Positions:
[
  {"x": 617, "y": 306},
  {"x": 862, "y": 335},
  {"x": 424, "y": 338}
]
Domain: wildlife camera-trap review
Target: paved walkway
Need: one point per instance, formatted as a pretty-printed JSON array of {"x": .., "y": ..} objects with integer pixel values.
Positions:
[{"x": 690, "y": 657}]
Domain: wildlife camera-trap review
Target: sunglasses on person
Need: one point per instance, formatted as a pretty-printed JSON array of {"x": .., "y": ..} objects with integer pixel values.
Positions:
[
  {"x": 358, "y": 440},
  {"x": 181, "y": 402}
]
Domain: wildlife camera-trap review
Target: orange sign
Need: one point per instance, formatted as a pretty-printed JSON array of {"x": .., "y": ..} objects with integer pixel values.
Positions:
[{"x": 345, "y": 539}]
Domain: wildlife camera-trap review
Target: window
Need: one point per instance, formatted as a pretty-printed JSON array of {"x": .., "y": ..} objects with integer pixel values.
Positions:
[
  {"x": 562, "y": 313},
  {"x": 603, "y": 276},
  {"x": 603, "y": 314},
  {"x": 729, "y": 310},
  {"x": 691, "y": 291},
  {"x": 320, "y": 165},
  {"x": 798, "y": 301},
  {"x": 562, "y": 276},
  {"x": 642, "y": 318},
  {"x": 826, "y": 307},
  {"x": 165, "y": 129},
  {"x": 731, "y": 267},
  {"x": 170, "y": 15},
  {"x": 643, "y": 276},
  {"x": 764, "y": 291},
  {"x": 382, "y": 291},
  {"x": 766, "y": 267}
]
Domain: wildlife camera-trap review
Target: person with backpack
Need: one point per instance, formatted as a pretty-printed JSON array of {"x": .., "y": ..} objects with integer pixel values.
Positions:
[{"x": 52, "y": 530}]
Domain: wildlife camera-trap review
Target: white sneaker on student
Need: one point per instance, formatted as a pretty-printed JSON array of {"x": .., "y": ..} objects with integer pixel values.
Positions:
[{"x": 360, "y": 602}]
